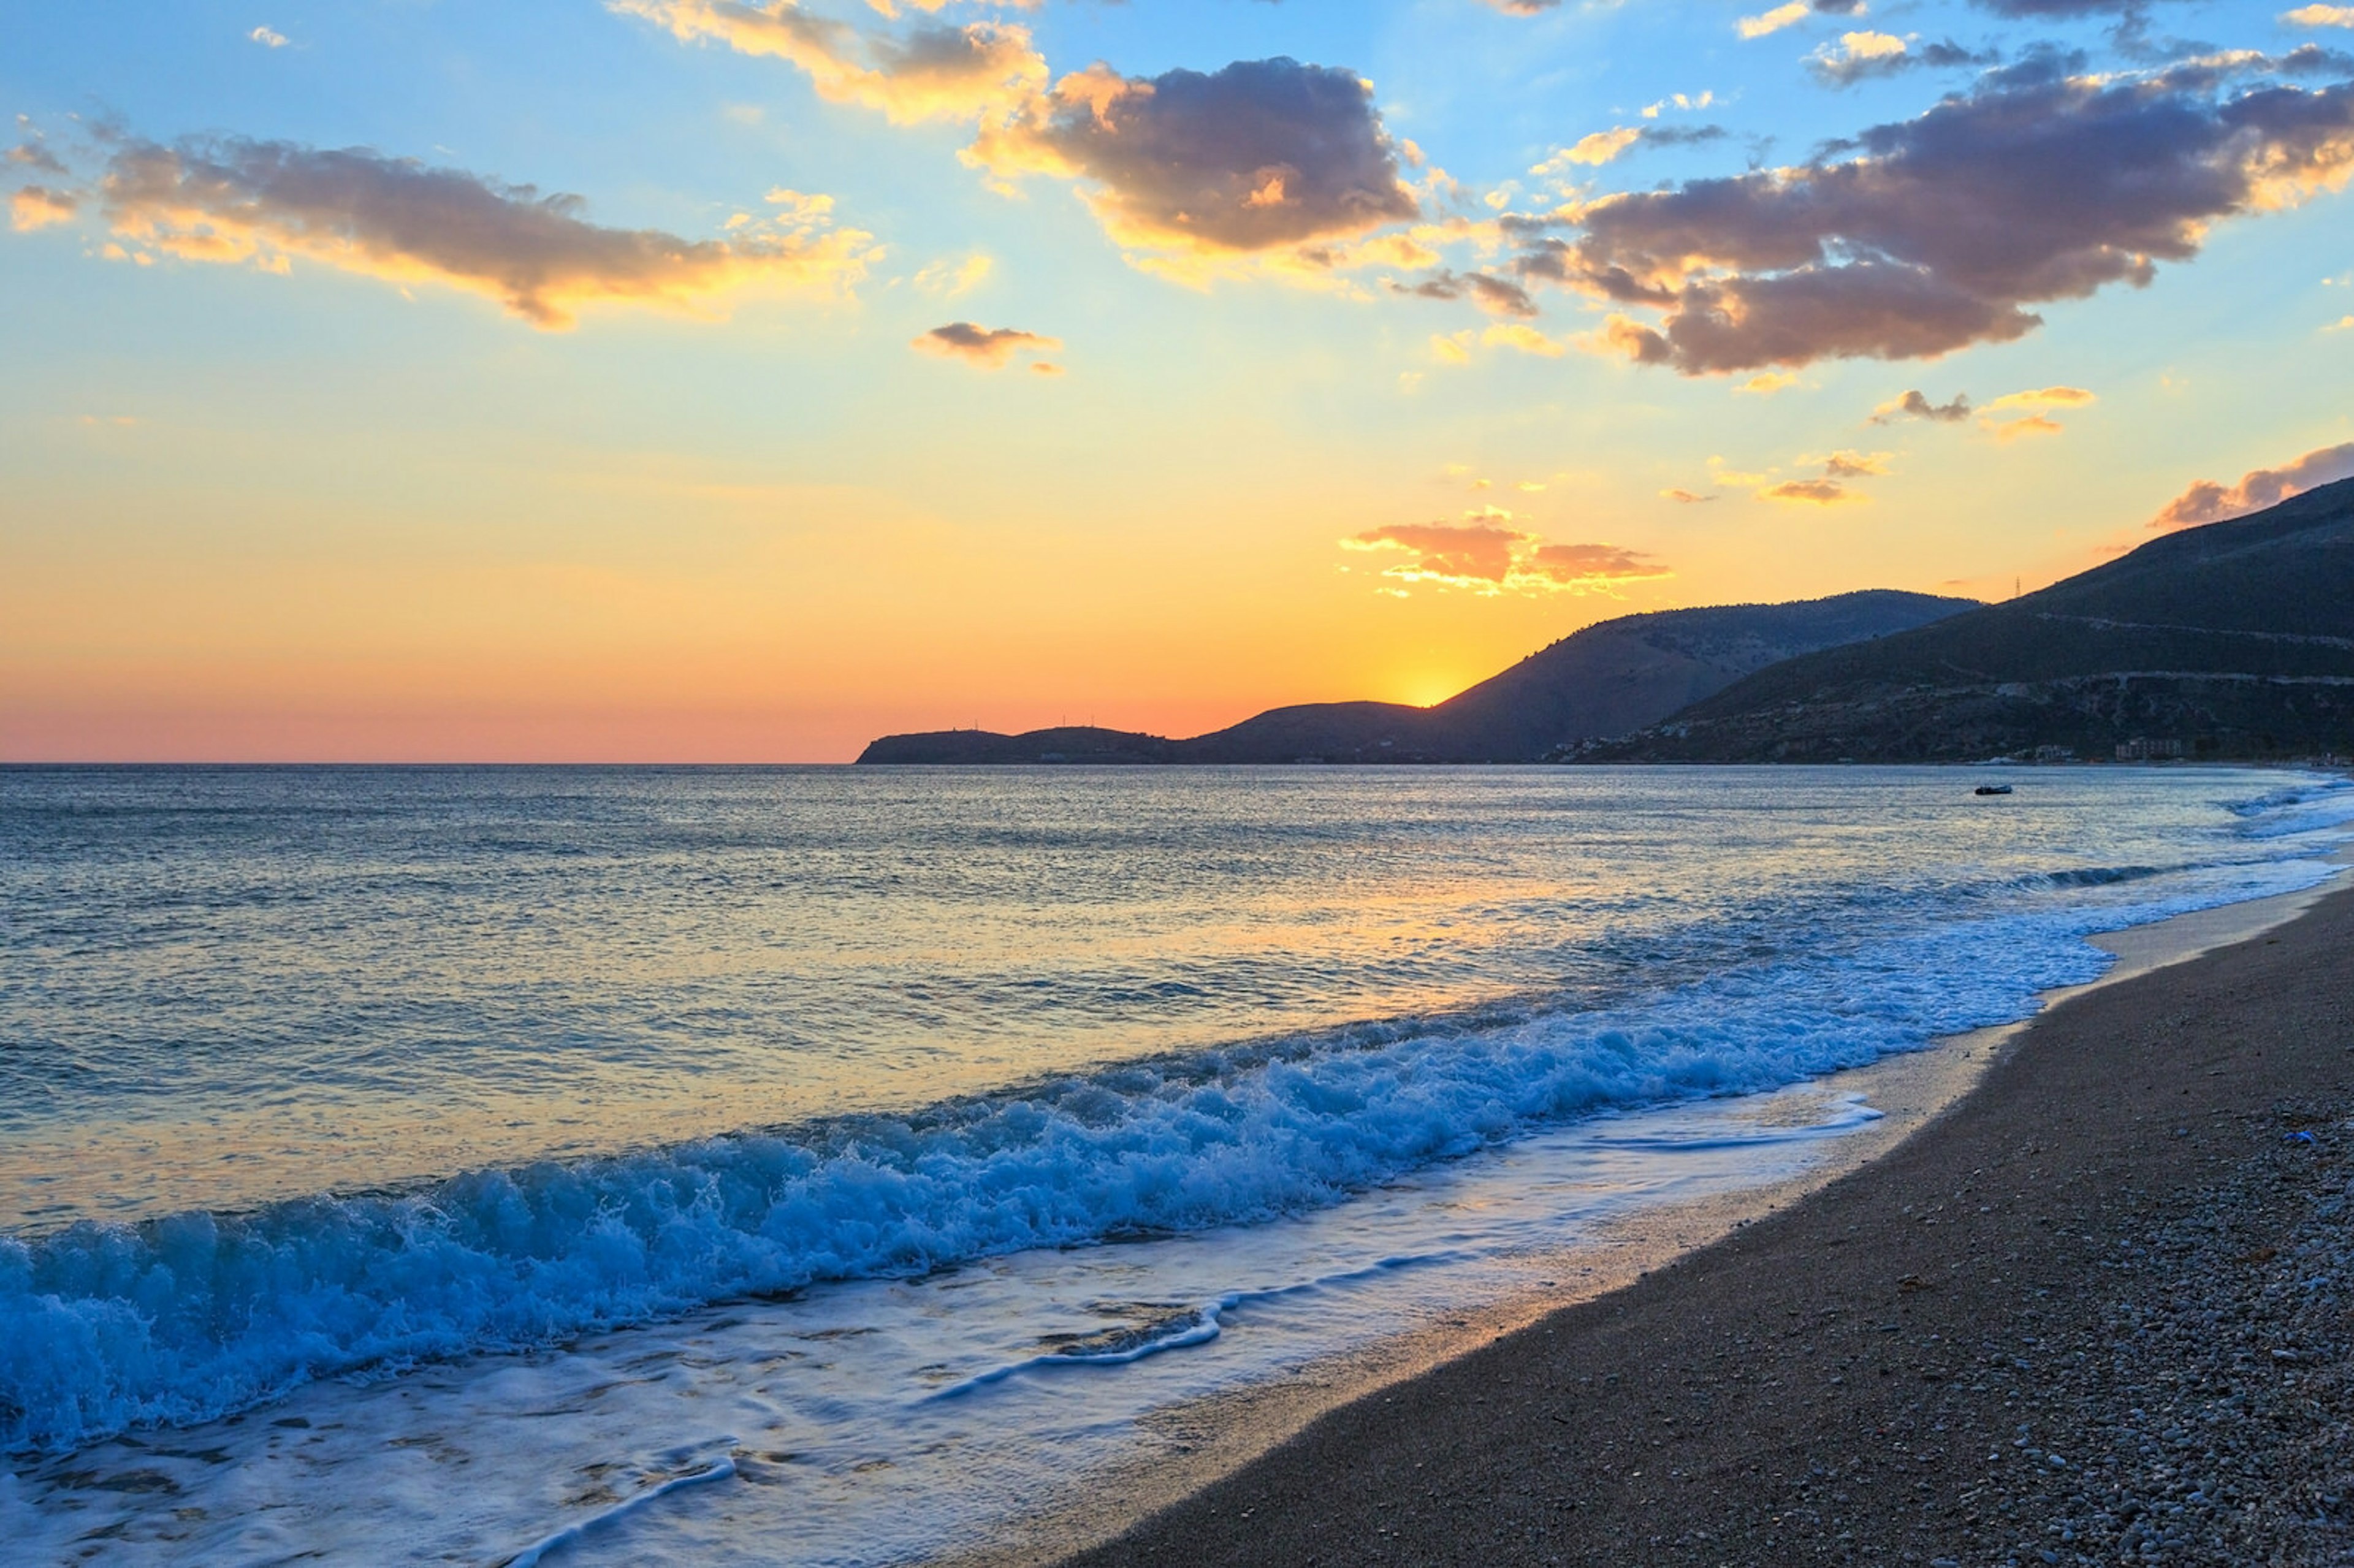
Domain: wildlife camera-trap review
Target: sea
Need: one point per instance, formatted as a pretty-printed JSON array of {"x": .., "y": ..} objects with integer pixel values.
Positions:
[{"x": 851, "y": 1165}]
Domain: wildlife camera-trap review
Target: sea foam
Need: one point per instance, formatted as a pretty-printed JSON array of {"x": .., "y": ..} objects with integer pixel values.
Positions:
[{"x": 185, "y": 1318}]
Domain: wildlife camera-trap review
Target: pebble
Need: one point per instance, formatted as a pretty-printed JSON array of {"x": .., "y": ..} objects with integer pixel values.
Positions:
[{"x": 2210, "y": 1416}]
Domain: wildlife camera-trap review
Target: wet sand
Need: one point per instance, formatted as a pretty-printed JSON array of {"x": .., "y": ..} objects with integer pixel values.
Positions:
[{"x": 2093, "y": 1312}]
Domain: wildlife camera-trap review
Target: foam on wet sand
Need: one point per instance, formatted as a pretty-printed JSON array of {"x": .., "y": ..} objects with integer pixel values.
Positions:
[{"x": 2096, "y": 1310}]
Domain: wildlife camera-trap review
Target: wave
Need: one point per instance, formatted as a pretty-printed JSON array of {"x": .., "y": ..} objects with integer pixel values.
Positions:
[
  {"x": 2303, "y": 792},
  {"x": 190, "y": 1317},
  {"x": 2101, "y": 875},
  {"x": 533, "y": 1555},
  {"x": 2316, "y": 807},
  {"x": 1164, "y": 1327},
  {"x": 1180, "y": 1329}
]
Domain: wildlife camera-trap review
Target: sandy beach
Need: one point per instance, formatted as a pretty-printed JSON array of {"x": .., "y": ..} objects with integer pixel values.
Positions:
[{"x": 2096, "y": 1312}]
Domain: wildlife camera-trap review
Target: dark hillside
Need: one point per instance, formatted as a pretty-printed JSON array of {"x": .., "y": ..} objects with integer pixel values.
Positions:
[
  {"x": 1072, "y": 743},
  {"x": 1607, "y": 679},
  {"x": 2233, "y": 639}
]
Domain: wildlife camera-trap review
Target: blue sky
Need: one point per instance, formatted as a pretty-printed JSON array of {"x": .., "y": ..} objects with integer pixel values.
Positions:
[{"x": 878, "y": 399}]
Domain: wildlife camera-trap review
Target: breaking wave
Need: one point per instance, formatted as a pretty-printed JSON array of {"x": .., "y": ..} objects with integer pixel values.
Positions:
[{"x": 189, "y": 1318}]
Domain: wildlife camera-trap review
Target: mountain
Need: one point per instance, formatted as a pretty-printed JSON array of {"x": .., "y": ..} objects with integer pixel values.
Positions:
[
  {"x": 1609, "y": 679},
  {"x": 2233, "y": 640},
  {"x": 1067, "y": 743}
]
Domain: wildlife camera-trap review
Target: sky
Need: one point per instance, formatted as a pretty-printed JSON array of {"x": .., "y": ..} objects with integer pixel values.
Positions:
[{"x": 697, "y": 380}]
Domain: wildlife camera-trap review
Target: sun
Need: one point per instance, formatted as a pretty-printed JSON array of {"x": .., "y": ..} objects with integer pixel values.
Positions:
[{"x": 1428, "y": 691}]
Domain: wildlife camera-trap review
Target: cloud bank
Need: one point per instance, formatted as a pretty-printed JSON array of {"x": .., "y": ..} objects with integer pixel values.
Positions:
[
  {"x": 935, "y": 71},
  {"x": 1943, "y": 229},
  {"x": 1258, "y": 156},
  {"x": 2209, "y": 502},
  {"x": 231, "y": 200}
]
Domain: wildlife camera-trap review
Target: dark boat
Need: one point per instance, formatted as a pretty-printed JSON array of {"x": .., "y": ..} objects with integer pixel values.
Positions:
[{"x": 1992, "y": 790}]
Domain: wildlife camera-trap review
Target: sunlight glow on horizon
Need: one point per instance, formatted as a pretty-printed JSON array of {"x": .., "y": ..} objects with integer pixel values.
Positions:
[{"x": 716, "y": 390}]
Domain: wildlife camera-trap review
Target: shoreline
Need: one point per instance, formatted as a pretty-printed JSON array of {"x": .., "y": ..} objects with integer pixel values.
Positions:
[
  {"x": 821, "y": 1401},
  {"x": 1152, "y": 1505}
]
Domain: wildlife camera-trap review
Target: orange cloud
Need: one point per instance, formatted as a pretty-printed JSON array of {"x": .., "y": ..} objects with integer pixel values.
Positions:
[
  {"x": 937, "y": 72},
  {"x": 1810, "y": 491},
  {"x": 2043, "y": 397},
  {"x": 1774, "y": 21},
  {"x": 1593, "y": 150},
  {"x": 1487, "y": 555},
  {"x": 1831, "y": 489},
  {"x": 800, "y": 207},
  {"x": 37, "y": 206},
  {"x": 1524, "y": 337},
  {"x": 1601, "y": 147},
  {"x": 891, "y": 8},
  {"x": 989, "y": 347},
  {"x": 2037, "y": 422},
  {"x": 950, "y": 280},
  {"x": 1625, "y": 336},
  {"x": 231, "y": 200},
  {"x": 1457, "y": 554},
  {"x": 1585, "y": 568}
]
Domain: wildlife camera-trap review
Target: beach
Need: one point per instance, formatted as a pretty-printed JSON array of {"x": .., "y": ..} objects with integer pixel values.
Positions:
[
  {"x": 651, "y": 1308},
  {"x": 2096, "y": 1311},
  {"x": 987, "y": 784}
]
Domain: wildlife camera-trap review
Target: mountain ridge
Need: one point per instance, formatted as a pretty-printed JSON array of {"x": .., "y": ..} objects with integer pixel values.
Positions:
[
  {"x": 2235, "y": 639},
  {"x": 1609, "y": 678}
]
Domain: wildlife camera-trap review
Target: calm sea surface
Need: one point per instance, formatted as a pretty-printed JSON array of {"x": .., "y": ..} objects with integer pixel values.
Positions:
[{"x": 309, "y": 1073}]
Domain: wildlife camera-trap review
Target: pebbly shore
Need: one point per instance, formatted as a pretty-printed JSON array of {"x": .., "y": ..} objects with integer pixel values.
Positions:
[{"x": 2096, "y": 1313}]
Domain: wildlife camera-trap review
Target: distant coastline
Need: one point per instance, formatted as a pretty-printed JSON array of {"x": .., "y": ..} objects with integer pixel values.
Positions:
[
  {"x": 2234, "y": 641},
  {"x": 1610, "y": 678}
]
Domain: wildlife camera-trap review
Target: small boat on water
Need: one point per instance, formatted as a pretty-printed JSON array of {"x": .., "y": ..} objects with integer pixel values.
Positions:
[{"x": 1992, "y": 790}]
